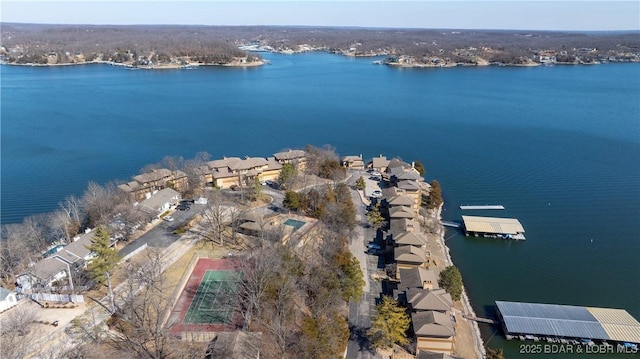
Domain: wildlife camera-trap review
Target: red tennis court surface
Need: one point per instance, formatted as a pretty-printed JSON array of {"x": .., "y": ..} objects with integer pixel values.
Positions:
[{"x": 176, "y": 319}]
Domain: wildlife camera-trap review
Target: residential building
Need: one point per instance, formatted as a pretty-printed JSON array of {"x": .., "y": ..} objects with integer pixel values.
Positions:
[
  {"x": 353, "y": 162},
  {"x": 160, "y": 202},
  {"x": 410, "y": 257},
  {"x": 296, "y": 157},
  {"x": 417, "y": 278},
  {"x": 379, "y": 163},
  {"x": 147, "y": 183},
  {"x": 7, "y": 299},
  {"x": 434, "y": 331}
]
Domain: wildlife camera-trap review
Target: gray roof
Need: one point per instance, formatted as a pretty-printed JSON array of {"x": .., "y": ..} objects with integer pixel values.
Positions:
[
  {"x": 416, "y": 277},
  {"x": 47, "y": 268},
  {"x": 166, "y": 195},
  {"x": 569, "y": 321},
  {"x": 398, "y": 163},
  {"x": 408, "y": 185},
  {"x": 224, "y": 162},
  {"x": 432, "y": 324},
  {"x": 78, "y": 249},
  {"x": 248, "y": 163},
  {"x": 390, "y": 192},
  {"x": 4, "y": 293},
  {"x": 411, "y": 175}
]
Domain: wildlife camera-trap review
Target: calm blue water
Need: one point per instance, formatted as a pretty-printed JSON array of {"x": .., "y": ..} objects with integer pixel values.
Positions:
[{"x": 559, "y": 147}]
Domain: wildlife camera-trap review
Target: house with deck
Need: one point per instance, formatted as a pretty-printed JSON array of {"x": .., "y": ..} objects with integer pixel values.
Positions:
[
  {"x": 353, "y": 162},
  {"x": 298, "y": 158}
]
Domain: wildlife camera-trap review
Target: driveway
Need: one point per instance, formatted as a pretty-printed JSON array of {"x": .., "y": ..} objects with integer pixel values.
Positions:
[
  {"x": 161, "y": 235},
  {"x": 361, "y": 312}
]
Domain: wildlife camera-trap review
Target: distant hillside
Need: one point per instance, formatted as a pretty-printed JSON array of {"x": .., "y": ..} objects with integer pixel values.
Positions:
[{"x": 156, "y": 44}]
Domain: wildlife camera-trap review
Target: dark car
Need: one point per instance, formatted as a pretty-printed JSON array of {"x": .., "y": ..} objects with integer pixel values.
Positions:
[
  {"x": 188, "y": 201},
  {"x": 183, "y": 207}
]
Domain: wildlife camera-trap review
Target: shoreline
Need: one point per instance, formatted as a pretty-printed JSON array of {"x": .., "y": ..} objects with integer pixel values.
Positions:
[
  {"x": 479, "y": 347},
  {"x": 144, "y": 67}
]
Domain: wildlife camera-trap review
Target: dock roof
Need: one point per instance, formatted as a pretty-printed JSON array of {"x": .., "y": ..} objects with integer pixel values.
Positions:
[
  {"x": 569, "y": 321},
  {"x": 492, "y": 225}
]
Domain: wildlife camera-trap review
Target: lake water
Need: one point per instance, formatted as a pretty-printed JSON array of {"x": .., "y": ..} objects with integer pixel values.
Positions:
[{"x": 559, "y": 147}]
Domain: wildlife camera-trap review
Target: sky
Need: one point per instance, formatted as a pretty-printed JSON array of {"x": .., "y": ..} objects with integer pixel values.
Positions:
[{"x": 570, "y": 15}]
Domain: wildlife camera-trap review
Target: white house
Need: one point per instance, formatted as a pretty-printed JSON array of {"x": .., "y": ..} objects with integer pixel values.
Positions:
[
  {"x": 160, "y": 202},
  {"x": 7, "y": 299}
]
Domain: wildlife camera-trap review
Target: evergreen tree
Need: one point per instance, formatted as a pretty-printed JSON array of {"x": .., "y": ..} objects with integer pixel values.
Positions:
[
  {"x": 389, "y": 325},
  {"x": 350, "y": 275},
  {"x": 435, "y": 195},
  {"x": 361, "y": 184},
  {"x": 451, "y": 281},
  {"x": 419, "y": 167},
  {"x": 106, "y": 259},
  {"x": 374, "y": 217},
  {"x": 288, "y": 175}
]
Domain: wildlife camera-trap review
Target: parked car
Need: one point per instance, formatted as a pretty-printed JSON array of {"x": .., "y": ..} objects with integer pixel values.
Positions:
[
  {"x": 376, "y": 194},
  {"x": 183, "y": 207},
  {"x": 187, "y": 201},
  {"x": 167, "y": 219},
  {"x": 374, "y": 246}
]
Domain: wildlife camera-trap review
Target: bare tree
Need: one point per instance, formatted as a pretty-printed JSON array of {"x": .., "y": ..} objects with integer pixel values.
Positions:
[
  {"x": 98, "y": 201},
  {"x": 139, "y": 322},
  {"x": 18, "y": 250},
  {"x": 18, "y": 332},
  {"x": 216, "y": 217},
  {"x": 61, "y": 225},
  {"x": 259, "y": 270},
  {"x": 73, "y": 208}
]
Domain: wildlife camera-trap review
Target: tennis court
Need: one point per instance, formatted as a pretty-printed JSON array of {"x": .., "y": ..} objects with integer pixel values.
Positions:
[
  {"x": 210, "y": 300},
  {"x": 215, "y": 299}
]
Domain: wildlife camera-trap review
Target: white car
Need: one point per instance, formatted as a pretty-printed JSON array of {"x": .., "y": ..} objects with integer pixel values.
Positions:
[
  {"x": 376, "y": 194},
  {"x": 374, "y": 246},
  {"x": 167, "y": 219}
]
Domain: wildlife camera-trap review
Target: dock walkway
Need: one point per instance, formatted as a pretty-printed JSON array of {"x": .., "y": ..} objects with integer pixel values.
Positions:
[{"x": 488, "y": 206}]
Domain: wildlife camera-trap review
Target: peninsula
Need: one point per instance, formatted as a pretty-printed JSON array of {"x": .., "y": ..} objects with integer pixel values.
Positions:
[{"x": 164, "y": 46}]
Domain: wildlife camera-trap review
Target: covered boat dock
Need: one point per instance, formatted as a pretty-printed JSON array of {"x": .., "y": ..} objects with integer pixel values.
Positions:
[
  {"x": 552, "y": 321},
  {"x": 509, "y": 228}
]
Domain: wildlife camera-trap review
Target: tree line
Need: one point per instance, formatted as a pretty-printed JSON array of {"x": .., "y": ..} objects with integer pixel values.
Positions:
[{"x": 217, "y": 44}]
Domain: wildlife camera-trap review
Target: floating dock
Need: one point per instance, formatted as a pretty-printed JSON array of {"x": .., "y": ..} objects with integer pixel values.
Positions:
[
  {"x": 486, "y": 206},
  {"x": 553, "y": 322},
  {"x": 451, "y": 224},
  {"x": 507, "y": 228}
]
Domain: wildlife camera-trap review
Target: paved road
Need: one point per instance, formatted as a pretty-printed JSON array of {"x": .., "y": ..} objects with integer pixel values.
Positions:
[
  {"x": 162, "y": 236},
  {"x": 360, "y": 313}
]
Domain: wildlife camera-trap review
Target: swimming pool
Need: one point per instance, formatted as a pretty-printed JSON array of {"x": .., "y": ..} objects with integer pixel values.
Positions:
[{"x": 294, "y": 223}]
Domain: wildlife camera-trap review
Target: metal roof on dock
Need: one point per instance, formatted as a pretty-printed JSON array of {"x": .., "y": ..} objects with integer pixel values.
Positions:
[
  {"x": 569, "y": 321},
  {"x": 492, "y": 225}
]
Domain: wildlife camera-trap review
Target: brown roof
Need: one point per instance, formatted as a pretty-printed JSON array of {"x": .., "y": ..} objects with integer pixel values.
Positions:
[
  {"x": 401, "y": 212},
  {"x": 290, "y": 155},
  {"x": 432, "y": 324},
  {"x": 416, "y": 277},
  {"x": 130, "y": 186},
  {"x": 224, "y": 162},
  {"x": 414, "y": 238},
  {"x": 154, "y": 175},
  {"x": 379, "y": 162},
  {"x": 429, "y": 299},
  {"x": 423, "y": 354},
  {"x": 248, "y": 163},
  {"x": 400, "y": 200},
  {"x": 411, "y": 254}
]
